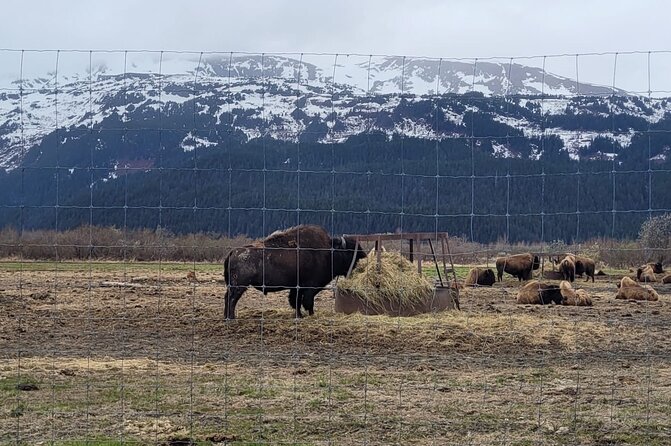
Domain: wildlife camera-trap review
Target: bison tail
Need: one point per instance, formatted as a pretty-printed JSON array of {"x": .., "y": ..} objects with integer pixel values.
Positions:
[{"x": 226, "y": 269}]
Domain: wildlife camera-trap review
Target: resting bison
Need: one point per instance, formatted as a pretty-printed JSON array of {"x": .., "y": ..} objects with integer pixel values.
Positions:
[
  {"x": 536, "y": 292},
  {"x": 628, "y": 289},
  {"x": 519, "y": 265},
  {"x": 480, "y": 276},
  {"x": 302, "y": 259},
  {"x": 567, "y": 269},
  {"x": 666, "y": 279},
  {"x": 646, "y": 274},
  {"x": 578, "y": 298},
  {"x": 657, "y": 268},
  {"x": 627, "y": 282}
]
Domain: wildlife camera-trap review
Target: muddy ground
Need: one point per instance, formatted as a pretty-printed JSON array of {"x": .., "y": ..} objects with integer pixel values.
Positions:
[{"x": 157, "y": 362}]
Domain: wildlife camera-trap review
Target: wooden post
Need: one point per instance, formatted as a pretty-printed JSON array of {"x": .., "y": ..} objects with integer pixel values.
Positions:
[
  {"x": 351, "y": 265},
  {"x": 419, "y": 255},
  {"x": 442, "y": 245},
  {"x": 378, "y": 252},
  {"x": 411, "y": 256},
  {"x": 435, "y": 262}
]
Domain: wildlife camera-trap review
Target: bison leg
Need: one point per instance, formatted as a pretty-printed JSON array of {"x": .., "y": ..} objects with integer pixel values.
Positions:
[
  {"x": 233, "y": 295},
  {"x": 309, "y": 300},
  {"x": 295, "y": 299},
  {"x": 293, "y": 296}
]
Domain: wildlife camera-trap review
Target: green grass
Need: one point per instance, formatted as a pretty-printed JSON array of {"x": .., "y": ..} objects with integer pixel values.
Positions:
[{"x": 429, "y": 270}]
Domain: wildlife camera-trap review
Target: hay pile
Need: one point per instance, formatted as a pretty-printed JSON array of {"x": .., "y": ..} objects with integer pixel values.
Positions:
[{"x": 396, "y": 285}]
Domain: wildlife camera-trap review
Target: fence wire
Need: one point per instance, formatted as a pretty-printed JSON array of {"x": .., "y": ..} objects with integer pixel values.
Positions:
[{"x": 134, "y": 346}]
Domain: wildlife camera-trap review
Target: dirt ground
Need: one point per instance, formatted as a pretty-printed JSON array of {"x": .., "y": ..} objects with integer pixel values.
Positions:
[{"x": 156, "y": 363}]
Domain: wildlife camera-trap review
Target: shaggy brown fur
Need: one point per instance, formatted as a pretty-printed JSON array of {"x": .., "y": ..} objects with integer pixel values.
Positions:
[
  {"x": 567, "y": 269},
  {"x": 637, "y": 292},
  {"x": 584, "y": 266},
  {"x": 578, "y": 298},
  {"x": 646, "y": 274},
  {"x": 480, "y": 276},
  {"x": 540, "y": 293},
  {"x": 519, "y": 265},
  {"x": 302, "y": 259},
  {"x": 626, "y": 282},
  {"x": 553, "y": 275},
  {"x": 666, "y": 279},
  {"x": 657, "y": 268}
]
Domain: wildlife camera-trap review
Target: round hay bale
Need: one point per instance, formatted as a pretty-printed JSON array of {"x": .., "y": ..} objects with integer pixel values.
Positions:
[{"x": 395, "y": 289}]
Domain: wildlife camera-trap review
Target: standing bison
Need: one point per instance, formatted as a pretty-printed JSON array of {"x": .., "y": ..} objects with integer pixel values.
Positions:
[
  {"x": 302, "y": 259},
  {"x": 583, "y": 266},
  {"x": 519, "y": 265},
  {"x": 567, "y": 269}
]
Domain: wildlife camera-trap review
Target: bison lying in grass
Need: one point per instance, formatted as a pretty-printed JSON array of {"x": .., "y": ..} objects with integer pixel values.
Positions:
[
  {"x": 519, "y": 265},
  {"x": 480, "y": 276},
  {"x": 302, "y": 259},
  {"x": 541, "y": 293},
  {"x": 570, "y": 296},
  {"x": 629, "y": 289},
  {"x": 646, "y": 274}
]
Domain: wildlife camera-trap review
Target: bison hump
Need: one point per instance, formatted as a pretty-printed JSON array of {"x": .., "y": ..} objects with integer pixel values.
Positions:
[{"x": 305, "y": 236}]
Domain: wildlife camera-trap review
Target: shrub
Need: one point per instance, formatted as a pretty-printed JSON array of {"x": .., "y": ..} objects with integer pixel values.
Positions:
[{"x": 655, "y": 237}]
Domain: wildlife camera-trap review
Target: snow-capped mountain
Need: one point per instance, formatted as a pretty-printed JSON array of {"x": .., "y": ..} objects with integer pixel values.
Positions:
[{"x": 331, "y": 98}]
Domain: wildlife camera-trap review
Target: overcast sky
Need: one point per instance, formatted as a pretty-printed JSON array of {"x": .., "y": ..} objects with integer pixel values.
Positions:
[{"x": 449, "y": 29}]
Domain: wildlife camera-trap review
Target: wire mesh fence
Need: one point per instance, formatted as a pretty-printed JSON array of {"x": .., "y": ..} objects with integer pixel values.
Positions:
[{"x": 130, "y": 176}]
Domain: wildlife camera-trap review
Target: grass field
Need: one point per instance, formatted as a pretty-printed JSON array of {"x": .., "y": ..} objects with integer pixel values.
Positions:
[{"x": 157, "y": 364}]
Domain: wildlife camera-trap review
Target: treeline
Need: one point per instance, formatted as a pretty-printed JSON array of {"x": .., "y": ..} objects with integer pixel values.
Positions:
[{"x": 139, "y": 178}]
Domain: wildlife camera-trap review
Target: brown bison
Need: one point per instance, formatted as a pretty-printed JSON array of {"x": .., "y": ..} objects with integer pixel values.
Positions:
[
  {"x": 553, "y": 275},
  {"x": 657, "y": 268},
  {"x": 519, "y": 265},
  {"x": 583, "y": 266},
  {"x": 646, "y": 274},
  {"x": 628, "y": 289},
  {"x": 666, "y": 279},
  {"x": 627, "y": 282},
  {"x": 302, "y": 259},
  {"x": 541, "y": 293},
  {"x": 567, "y": 269},
  {"x": 480, "y": 276},
  {"x": 578, "y": 298}
]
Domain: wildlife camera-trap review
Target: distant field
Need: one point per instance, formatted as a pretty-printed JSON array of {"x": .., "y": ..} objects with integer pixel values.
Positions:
[{"x": 157, "y": 362}]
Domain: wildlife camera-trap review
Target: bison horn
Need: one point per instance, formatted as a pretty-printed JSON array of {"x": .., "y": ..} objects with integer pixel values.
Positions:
[{"x": 344, "y": 243}]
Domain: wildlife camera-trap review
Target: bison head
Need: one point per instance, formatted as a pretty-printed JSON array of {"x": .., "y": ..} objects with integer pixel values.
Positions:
[
  {"x": 657, "y": 268},
  {"x": 344, "y": 250}
]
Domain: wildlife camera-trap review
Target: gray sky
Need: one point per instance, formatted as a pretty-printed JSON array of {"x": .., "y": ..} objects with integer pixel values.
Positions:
[{"x": 450, "y": 29}]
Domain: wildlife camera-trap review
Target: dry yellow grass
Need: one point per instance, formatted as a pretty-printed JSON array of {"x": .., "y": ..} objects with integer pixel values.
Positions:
[{"x": 395, "y": 283}]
